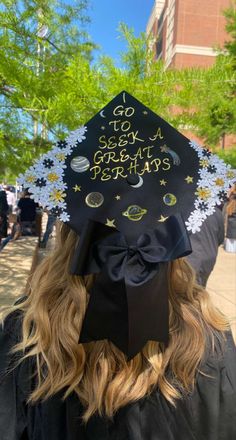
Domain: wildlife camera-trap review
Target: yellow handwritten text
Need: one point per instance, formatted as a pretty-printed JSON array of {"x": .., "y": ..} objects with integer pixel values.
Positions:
[
  {"x": 154, "y": 165},
  {"x": 157, "y": 135},
  {"x": 120, "y": 110}
]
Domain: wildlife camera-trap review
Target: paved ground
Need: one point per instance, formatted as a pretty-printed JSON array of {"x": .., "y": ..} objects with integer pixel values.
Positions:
[
  {"x": 16, "y": 261},
  {"x": 14, "y": 268},
  {"x": 222, "y": 286}
]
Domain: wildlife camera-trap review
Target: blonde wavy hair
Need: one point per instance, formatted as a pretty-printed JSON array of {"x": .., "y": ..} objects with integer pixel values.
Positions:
[
  {"x": 231, "y": 205},
  {"x": 98, "y": 372}
]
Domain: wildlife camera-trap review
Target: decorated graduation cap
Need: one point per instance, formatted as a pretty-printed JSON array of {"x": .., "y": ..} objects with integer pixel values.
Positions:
[{"x": 131, "y": 186}]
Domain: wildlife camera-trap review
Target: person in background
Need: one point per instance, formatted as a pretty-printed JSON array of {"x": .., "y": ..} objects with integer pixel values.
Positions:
[
  {"x": 3, "y": 213},
  {"x": 205, "y": 246},
  {"x": 27, "y": 213},
  {"x": 2, "y": 227},
  {"x": 230, "y": 224},
  {"x": 15, "y": 231},
  {"x": 11, "y": 199},
  {"x": 49, "y": 228}
]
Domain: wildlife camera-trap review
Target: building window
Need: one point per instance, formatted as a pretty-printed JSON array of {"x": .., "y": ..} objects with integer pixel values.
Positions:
[
  {"x": 170, "y": 30},
  {"x": 159, "y": 44}
]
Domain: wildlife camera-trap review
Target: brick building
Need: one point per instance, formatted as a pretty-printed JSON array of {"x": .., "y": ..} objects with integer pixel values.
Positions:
[{"x": 184, "y": 33}]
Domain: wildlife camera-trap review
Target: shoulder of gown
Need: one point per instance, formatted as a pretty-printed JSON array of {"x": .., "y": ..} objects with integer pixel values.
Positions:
[
  {"x": 13, "y": 382},
  {"x": 213, "y": 403},
  {"x": 208, "y": 413}
]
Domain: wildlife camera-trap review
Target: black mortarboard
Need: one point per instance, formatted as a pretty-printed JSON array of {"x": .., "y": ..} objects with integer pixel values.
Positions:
[{"x": 127, "y": 180}]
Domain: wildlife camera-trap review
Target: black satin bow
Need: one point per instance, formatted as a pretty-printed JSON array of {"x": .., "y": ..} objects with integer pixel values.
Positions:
[{"x": 129, "y": 299}]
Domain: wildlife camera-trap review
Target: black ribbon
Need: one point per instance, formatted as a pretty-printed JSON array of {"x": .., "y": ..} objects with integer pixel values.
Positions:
[{"x": 129, "y": 299}]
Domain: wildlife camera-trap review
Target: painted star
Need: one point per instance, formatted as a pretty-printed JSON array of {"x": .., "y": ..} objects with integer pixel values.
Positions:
[
  {"x": 164, "y": 149},
  {"x": 103, "y": 128},
  {"x": 145, "y": 112},
  {"x": 77, "y": 188},
  {"x": 162, "y": 218},
  {"x": 189, "y": 179},
  {"x": 163, "y": 182},
  {"x": 117, "y": 197},
  {"x": 110, "y": 223}
]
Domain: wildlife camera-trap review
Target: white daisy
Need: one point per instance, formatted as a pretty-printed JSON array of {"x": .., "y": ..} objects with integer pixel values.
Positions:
[
  {"x": 64, "y": 217},
  {"x": 214, "y": 177},
  {"x": 76, "y": 136}
]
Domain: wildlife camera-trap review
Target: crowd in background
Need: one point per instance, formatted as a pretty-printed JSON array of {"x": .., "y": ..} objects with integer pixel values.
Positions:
[
  {"x": 18, "y": 216},
  {"x": 21, "y": 216}
]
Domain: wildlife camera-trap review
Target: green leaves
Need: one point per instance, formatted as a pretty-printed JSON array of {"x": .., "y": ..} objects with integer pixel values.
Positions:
[
  {"x": 38, "y": 40},
  {"x": 48, "y": 85}
]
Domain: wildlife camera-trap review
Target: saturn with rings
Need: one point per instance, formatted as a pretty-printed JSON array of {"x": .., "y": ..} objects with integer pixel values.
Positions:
[{"x": 134, "y": 213}]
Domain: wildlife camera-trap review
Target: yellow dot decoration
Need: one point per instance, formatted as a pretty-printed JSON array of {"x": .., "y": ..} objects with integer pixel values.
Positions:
[
  {"x": 219, "y": 181},
  {"x": 230, "y": 174},
  {"x": 57, "y": 195},
  {"x": 52, "y": 177},
  {"x": 30, "y": 179},
  {"x": 204, "y": 163},
  {"x": 60, "y": 156},
  {"x": 203, "y": 193}
]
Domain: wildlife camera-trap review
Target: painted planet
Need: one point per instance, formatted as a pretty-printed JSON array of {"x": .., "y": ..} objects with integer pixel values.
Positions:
[
  {"x": 79, "y": 164},
  {"x": 94, "y": 199},
  {"x": 134, "y": 213},
  {"x": 169, "y": 199}
]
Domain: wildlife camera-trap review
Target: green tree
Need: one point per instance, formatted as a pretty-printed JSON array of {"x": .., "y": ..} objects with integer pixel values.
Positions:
[
  {"x": 67, "y": 90},
  {"x": 38, "y": 39},
  {"x": 230, "y": 44},
  {"x": 220, "y": 118}
]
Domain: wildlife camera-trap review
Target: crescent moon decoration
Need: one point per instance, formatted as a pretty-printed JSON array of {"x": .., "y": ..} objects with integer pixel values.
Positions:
[
  {"x": 124, "y": 98},
  {"x": 139, "y": 183},
  {"x": 169, "y": 199},
  {"x": 80, "y": 164},
  {"x": 94, "y": 199},
  {"x": 102, "y": 114},
  {"x": 172, "y": 153}
]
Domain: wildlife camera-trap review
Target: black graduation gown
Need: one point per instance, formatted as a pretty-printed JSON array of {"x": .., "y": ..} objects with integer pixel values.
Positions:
[{"x": 207, "y": 414}]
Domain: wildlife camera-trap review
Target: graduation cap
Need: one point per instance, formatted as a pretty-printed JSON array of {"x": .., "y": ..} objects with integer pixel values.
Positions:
[{"x": 131, "y": 186}]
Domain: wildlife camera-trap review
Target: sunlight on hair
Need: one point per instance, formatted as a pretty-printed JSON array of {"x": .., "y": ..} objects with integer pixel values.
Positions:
[{"x": 98, "y": 371}]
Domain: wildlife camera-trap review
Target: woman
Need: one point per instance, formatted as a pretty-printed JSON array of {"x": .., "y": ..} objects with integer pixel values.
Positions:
[
  {"x": 230, "y": 224},
  {"x": 27, "y": 213},
  {"x": 115, "y": 341},
  {"x": 90, "y": 391}
]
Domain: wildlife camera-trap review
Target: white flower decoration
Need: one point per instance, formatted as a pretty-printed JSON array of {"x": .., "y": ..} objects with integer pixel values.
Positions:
[
  {"x": 76, "y": 136},
  {"x": 44, "y": 179},
  {"x": 64, "y": 217},
  {"x": 214, "y": 176}
]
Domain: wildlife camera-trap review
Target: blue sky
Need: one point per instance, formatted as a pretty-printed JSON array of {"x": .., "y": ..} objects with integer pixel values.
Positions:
[{"x": 105, "y": 18}]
